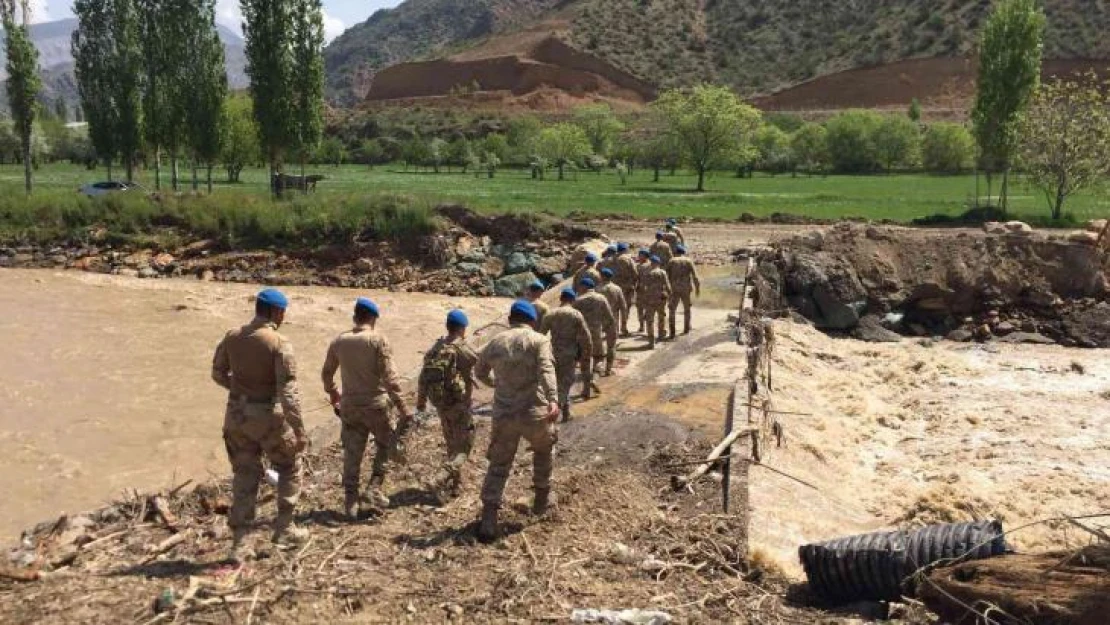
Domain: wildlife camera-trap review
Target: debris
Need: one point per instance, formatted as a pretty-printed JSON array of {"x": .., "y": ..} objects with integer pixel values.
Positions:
[{"x": 621, "y": 617}]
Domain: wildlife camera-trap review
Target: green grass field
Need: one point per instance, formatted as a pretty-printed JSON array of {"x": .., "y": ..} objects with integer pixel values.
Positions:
[{"x": 900, "y": 197}]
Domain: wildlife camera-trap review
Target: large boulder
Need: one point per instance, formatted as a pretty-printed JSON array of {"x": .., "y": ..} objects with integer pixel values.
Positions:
[
  {"x": 871, "y": 329},
  {"x": 514, "y": 285},
  {"x": 518, "y": 262}
]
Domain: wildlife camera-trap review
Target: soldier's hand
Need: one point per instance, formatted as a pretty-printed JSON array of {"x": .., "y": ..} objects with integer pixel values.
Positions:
[
  {"x": 302, "y": 442},
  {"x": 553, "y": 412},
  {"x": 335, "y": 398}
]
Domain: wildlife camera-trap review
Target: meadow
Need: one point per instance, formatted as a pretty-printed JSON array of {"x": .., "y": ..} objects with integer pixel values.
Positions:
[{"x": 897, "y": 197}]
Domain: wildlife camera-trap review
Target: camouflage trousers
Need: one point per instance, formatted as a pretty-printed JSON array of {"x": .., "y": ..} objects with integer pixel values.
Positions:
[
  {"x": 505, "y": 437},
  {"x": 676, "y": 299},
  {"x": 250, "y": 431},
  {"x": 565, "y": 364},
  {"x": 655, "y": 316},
  {"x": 359, "y": 422},
  {"x": 641, "y": 312},
  {"x": 458, "y": 432}
]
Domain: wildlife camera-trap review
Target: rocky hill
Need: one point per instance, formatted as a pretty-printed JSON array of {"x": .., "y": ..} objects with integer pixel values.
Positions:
[{"x": 758, "y": 47}]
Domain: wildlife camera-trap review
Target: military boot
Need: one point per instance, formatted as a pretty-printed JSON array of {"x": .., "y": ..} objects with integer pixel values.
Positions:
[
  {"x": 287, "y": 534},
  {"x": 686, "y": 329},
  {"x": 350, "y": 506},
  {"x": 609, "y": 360},
  {"x": 374, "y": 499},
  {"x": 240, "y": 552},
  {"x": 587, "y": 387},
  {"x": 540, "y": 503},
  {"x": 672, "y": 327},
  {"x": 487, "y": 527},
  {"x": 565, "y": 408}
]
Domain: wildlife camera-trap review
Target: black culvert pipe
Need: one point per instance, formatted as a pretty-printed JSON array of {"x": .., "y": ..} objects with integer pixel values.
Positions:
[{"x": 873, "y": 567}]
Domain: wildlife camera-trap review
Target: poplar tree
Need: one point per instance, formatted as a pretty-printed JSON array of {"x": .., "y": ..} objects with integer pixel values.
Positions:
[
  {"x": 126, "y": 67},
  {"x": 23, "y": 78},
  {"x": 308, "y": 77},
  {"x": 93, "y": 47},
  {"x": 268, "y": 28},
  {"x": 207, "y": 89}
]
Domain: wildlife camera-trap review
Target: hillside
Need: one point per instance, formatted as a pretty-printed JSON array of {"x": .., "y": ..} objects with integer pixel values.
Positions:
[
  {"x": 52, "y": 39},
  {"x": 758, "y": 47}
]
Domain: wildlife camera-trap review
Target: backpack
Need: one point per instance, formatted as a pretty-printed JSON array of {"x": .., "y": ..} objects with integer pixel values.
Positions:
[{"x": 440, "y": 376}]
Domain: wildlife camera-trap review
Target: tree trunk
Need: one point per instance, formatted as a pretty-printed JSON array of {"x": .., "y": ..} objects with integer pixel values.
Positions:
[
  {"x": 173, "y": 172},
  {"x": 108, "y": 164},
  {"x": 701, "y": 179},
  {"x": 560, "y": 171},
  {"x": 1004, "y": 194},
  {"x": 27, "y": 165},
  {"x": 656, "y": 175},
  {"x": 129, "y": 162},
  {"x": 209, "y": 178},
  {"x": 196, "y": 181},
  {"x": 1058, "y": 210},
  {"x": 157, "y": 168},
  {"x": 304, "y": 185}
]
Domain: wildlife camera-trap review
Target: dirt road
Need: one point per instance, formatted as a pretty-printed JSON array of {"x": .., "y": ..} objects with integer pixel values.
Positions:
[{"x": 105, "y": 385}]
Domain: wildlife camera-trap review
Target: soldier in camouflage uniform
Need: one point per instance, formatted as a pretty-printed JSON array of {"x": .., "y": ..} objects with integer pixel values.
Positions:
[
  {"x": 643, "y": 268},
  {"x": 608, "y": 258},
  {"x": 525, "y": 407},
  {"x": 534, "y": 294},
  {"x": 657, "y": 292},
  {"x": 587, "y": 270},
  {"x": 673, "y": 234},
  {"x": 447, "y": 380},
  {"x": 626, "y": 277},
  {"x": 615, "y": 296},
  {"x": 370, "y": 387},
  {"x": 570, "y": 343},
  {"x": 603, "y": 331},
  {"x": 684, "y": 278},
  {"x": 662, "y": 249},
  {"x": 255, "y": 364}
]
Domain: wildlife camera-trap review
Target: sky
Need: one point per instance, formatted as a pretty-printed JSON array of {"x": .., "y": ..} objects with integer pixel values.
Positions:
[{"x": 339, "y": 15}]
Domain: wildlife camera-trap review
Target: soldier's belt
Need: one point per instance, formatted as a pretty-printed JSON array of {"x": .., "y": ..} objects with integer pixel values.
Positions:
[{"x": 252, "y": 400}]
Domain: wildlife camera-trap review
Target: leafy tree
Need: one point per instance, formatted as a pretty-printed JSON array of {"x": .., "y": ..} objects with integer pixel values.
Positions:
[
  {"x": 496, "y": 144},
  {"x": 239, "y": 137},
  {"x": 268, "y": 30},
  {"x": 371, "y": 152},
  {"x": 914, "y": 113},
  {"x": 1009, "y": 70},
  {"x": 563, "y": 144},
  {"x": 458, "y": 152},
  {"x": 9, "y": 144},
  {"x": 164, "y": 51},
  {"x": 810, "y": 147},
  {"x": 600, "y": 125},
  {"x": 947, "y": 148},
  {"x": 207, "y": 88},
  {"x": 850, "y": 140},
  {"x": 23, "y": 79},
  {"x": 415, "y": 152},
  {"x": 439, "y": 153},
  {"x": 126, "y": 66},
  {"x": 331, "y": 151},
  {"x": 772, "y": 149},
  {"x": 523, "y": 133},
  {"x": 709, "y": 123},
  {"x": 93, "y": 49},
  {"x": 1065, "y": 138},
  {"x": 897, "y": 142},
  {"x": 308, "y": 76}
]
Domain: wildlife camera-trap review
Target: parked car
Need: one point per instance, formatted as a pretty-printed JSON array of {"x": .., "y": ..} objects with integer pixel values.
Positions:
[{"x": 97, "y": 189}]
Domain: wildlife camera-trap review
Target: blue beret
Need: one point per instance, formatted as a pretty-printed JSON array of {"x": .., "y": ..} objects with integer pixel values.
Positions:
[
  {"x": 588, "y": 283},
  {"x": 681, "y": 249},
  {"x": 658, "y": 235},
  {"x": 607, "y": 272},
  {"x": 672, "y": 221},
  {"x": 612, "y": 248},
  {"x": 524, "y": 309},
  {"x": 367, "y": 305},
  {"x": 656, "y": 260},
  {"x": 568, "y": 294},
  {"x": 273, "y": 297},
  {"x": 645, "y": 253},
  {"x": 537, "y": 286},
  {"x": 457, "y": 318},
  {"x": 591, "y": 258},
  {"x": 622, "y": 247}
]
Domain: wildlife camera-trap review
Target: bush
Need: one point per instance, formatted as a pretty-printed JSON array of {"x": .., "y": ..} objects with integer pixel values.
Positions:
[
  {"x": 948, "y": 148},
  {"x": 897, "y": 142},
  {"x": 850, "y": 141}
]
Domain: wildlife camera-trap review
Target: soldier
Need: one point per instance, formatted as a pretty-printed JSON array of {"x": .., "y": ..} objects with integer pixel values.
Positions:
[
  {"x": 524, "y": 406},
  {"x": 657, "y": 291},
  {"x": 603, "y": 331},
  {"x": 587, "y": 270},
  {"x": 626, "y": 277},
  {"x": 662, "y": 249},
  {"x": 615, "y": 296},
  {"x": 447, "y": 379},
  {"x": 684, "y": 278},
  {"x": 676, "y": 232},
  {"x": 255, "y": 364},
  {"x": 534, "y": 295},
  {"x": 642, "y": 271},
  {"x": 570, "y": 344},
  {"x": 370, "y": 387},
  {"x": 609, "y": 258}
]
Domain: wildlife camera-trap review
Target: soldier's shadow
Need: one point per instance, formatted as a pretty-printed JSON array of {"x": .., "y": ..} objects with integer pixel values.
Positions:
[
  {"x": 467, "y": 535},
  {"x": 413, "y": 497}
]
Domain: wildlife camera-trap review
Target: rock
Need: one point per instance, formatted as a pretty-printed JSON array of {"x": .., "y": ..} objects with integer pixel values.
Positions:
[
  {"x": 476, "y": 256},
  {"x": 549, "y": 266},
  {"x": 918, "y": 329},
  {"x": 206, "y": 276},
  {"x": 514, "y": 285},
  {"x": 1029, "y": 338},
  {"x": 1004, "y": 329},
  {"x": 364, "y": 265},
  {"x": 138, "y": 259},
  {"x": 517, "y": 262},
  {"x": 493, "y": 266},
  {"x": 469, "y": 269},
  {"x": 870, "y": 329},
  {"x": 59, "y": 259},
  {"x": 87, "y": 263},
  {"x": 6, "y": 261},
  {"x": 148, "y": 272},
  {"x": 127, "y": 272},
  {"x": 162, "y": 262},
  {"x": 1018, "y": 227},
  {"x": 199, "y": 247},
  {"x": 994, "y": 227},
  {"x": 1085, "y": 238},
  {"x": 465, "y": 245},
  {"x": 836, "y": 315},
  {"x": 983, "y": 332},
  {"x": 961, "y": 335},
  {"x": 1096, "y": 225}
]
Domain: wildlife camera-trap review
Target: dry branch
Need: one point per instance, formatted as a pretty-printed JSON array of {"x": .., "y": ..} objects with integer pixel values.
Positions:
[{"x": 678, "y": 483}]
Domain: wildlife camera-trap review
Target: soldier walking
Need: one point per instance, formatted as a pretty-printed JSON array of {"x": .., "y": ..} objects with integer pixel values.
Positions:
[
  {"x": 525, "y": 407},
  {"x": 571, "y": 345},
  {"x": 684, "y": 278},
  {"x": 657, "y": 292},
  {"x": 447, "y": 380},
  {"x": 535, "y": 295},
  {"x": 662, "y": 249},
  {"x": 673, "y": 234},
  {"x": 587, "y": 270},
  {"x": 626, "y": 277},
  {"x": 603, "y": 331},
  {"x": 643, "y": 268},
  {"x": 255, "y": 364},
  {"x": 370, "y": 386},
  {"x": 615, "y": 296}
]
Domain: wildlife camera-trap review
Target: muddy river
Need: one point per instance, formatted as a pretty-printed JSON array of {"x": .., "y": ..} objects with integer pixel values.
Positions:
[{"x": 105, "y": 387}]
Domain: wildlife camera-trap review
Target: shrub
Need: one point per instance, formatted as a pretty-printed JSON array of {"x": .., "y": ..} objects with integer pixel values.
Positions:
[
  {"x": 948, "y": 148},
  {"x": 850, "y": 141}
]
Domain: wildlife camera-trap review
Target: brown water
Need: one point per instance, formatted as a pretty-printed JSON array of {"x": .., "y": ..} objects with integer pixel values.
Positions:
[{"x": 105, "y": 387}]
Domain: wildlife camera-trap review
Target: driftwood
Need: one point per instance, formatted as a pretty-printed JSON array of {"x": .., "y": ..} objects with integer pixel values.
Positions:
[
  {"x": 678, "y": 483},
  {"x": 162, "y": 508}
]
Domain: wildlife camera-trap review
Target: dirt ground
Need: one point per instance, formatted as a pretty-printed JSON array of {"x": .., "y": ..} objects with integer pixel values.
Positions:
[{"x": 886, "y": 435}]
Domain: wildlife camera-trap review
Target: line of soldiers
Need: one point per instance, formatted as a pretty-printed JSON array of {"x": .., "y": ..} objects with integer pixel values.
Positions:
[{"x": 531, "y": 374}]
